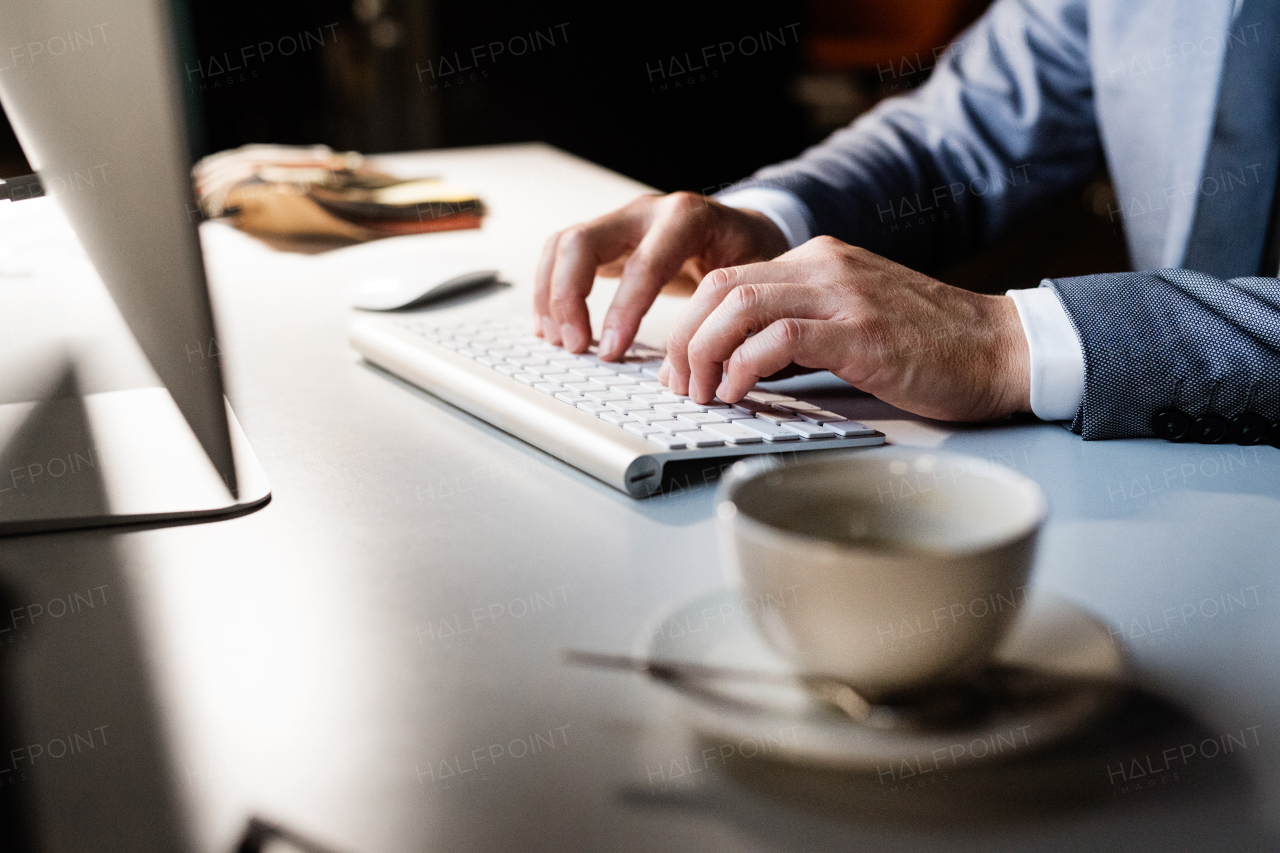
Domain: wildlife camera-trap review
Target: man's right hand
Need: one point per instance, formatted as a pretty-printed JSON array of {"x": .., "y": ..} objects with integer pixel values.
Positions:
[{"x": 650, "y": 242}]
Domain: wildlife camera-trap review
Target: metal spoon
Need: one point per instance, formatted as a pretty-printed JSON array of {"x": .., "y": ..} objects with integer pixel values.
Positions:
[{"x": 943, "y": 707}]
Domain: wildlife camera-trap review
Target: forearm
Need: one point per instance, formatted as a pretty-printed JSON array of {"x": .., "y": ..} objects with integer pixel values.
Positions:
[
  {"x": 1173, "y": 339},
  {"x": 1005, "y": 121}
]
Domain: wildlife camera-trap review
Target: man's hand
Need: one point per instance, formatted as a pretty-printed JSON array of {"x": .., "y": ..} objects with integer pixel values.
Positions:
[
  {"x": 910, "y": 340},
  {"x": 651, "y": 241}
]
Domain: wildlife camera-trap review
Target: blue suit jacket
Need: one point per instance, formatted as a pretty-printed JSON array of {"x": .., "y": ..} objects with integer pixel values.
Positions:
[{"x": 1023, "y": 106}]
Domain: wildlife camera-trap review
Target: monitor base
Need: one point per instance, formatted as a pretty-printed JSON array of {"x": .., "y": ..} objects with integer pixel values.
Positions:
[{"x": 112, "y": 458}]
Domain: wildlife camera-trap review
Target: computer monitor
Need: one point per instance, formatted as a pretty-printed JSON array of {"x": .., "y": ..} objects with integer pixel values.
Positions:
[{"x": 94, "y": 93}]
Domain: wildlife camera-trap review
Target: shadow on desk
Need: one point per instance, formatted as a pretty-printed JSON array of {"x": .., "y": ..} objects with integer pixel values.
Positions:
[
  {"x": 83, "y": 758},
  {"x": 1145, "y": 755}
]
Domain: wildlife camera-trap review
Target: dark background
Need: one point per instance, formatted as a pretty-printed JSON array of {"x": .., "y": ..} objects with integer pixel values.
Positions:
[{"x": 597, "y": 92}]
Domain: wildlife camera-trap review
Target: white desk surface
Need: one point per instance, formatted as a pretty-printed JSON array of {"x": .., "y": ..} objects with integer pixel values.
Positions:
[{"x": 296, "y": 663}]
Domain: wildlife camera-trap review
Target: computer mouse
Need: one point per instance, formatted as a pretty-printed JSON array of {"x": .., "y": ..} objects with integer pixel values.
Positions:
[{"x": 390, "y": 283}]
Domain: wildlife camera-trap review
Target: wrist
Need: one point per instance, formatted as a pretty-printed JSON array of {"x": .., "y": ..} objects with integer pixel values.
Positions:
[{"x": 1013, "y": 357}]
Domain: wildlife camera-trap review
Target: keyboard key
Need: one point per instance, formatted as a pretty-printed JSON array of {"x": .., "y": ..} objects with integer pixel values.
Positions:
[
  {"x": 638, "y": 428},
  {"x": 723, "y": 415},
  {"x": 596, "y": 409},
  {"x": 674, "y": 409},
  {"x": 549, "y": 387},
  {"x": 626, "y": 367},
  {"x": 768, "y": 397},
  {"x": 709, "y": 407},
  {"x": 648, "y": 416},
  {"x": 671, "y": 425},
  {"x": 776, "y": 417},
  {"x": 821, "y": 417},
  {"x": 768, "y": 431},
  {"x": 654, "y": 399},
  {"x": 654, "y": 386},
  {"x": 606, "y": 396},
  {"x": 448, "y": 343},
  {"x": 571, "y": 398},
  {"x": 584, "y": 387},
  {"x": 618, "y": 418},
  {"x": 699, "y": 418},
  {"x": 489, "y": 360},
  {"x": 523, "y": 360},
  {"x": 548, "y": 376},
  {"x": 751, "y": 407},
  {"x": 619, "y": 381},
  {"x": 508, "y": 369},
  {"x": 797, "y": 406},
  {"x": 629, "y": 406},
  {"x": 527, "y": 378},
  {"x": 542, "y": 369},
  {"x": 570, "y": 363},
  {"x": 669, "y": 442},
  {"x": 733, "y": 432},
  {"x": 701, "y": 439},
  {"x": 593, "y": 372},
  {"x": 849, "y": 429},
  {"x": 808, "y": 430}
]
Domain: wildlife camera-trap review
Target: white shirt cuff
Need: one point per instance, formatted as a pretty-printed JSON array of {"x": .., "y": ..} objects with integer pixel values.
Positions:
[
  {"x": 1057, "y": 358},
  {"x": 784, "y": 209}
]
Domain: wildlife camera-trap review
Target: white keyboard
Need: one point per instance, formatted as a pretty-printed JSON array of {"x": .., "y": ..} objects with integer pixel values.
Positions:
[{"x": 613, "y": 420}]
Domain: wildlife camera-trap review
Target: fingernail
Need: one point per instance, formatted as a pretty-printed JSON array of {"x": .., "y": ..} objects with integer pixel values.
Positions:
[
  {"x": 663, "y": 371},
  {"x": 570, "y": 337},
  {"x": 608, "y": 343}
]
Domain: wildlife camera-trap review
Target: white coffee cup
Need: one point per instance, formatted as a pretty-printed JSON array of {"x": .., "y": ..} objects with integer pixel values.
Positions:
[{"x": 895, "y": 571}]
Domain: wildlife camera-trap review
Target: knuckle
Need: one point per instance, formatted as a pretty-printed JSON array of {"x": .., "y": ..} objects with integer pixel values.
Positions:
[
  {"x": 698, "y": 350},
  {"x": 741, "y": 361},
  {"x": 743, "y": 298},
  {"x": 573, "y": 238},
  {"x": 826, "y": 241},
  {"x": 685, "y": 201},
  {"x": 718, "y": 280},
  {"x": 787, "y": 331},
  {"x": 563, "y": 300}
]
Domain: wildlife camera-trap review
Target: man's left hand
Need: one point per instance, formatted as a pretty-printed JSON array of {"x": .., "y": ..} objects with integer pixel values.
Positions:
[{"x": 912, "y": 341}]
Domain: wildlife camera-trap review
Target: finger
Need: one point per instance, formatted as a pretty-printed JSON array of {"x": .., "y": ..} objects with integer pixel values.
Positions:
[
  {"x": 712, "y": 290},
  {"x": 542, "y": 325},
  {"x": 578, "y": 252},
  {"x": 677, "y": 231},
  {"x": 745, "y": 311},
  {"x": 809, "y": 343}
]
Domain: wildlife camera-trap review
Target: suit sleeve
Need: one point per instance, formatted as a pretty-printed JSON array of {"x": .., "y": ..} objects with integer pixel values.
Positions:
[
  {"x": 1173, "y": 339},
  {"x": 1005, "y": 121}
]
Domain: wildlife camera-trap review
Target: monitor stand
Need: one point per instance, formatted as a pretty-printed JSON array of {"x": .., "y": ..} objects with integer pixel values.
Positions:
[{"x": 115, "y": 457}]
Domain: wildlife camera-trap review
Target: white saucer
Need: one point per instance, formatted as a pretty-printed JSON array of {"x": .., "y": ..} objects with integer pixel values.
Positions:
[{"x": 787, "y": 722}]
